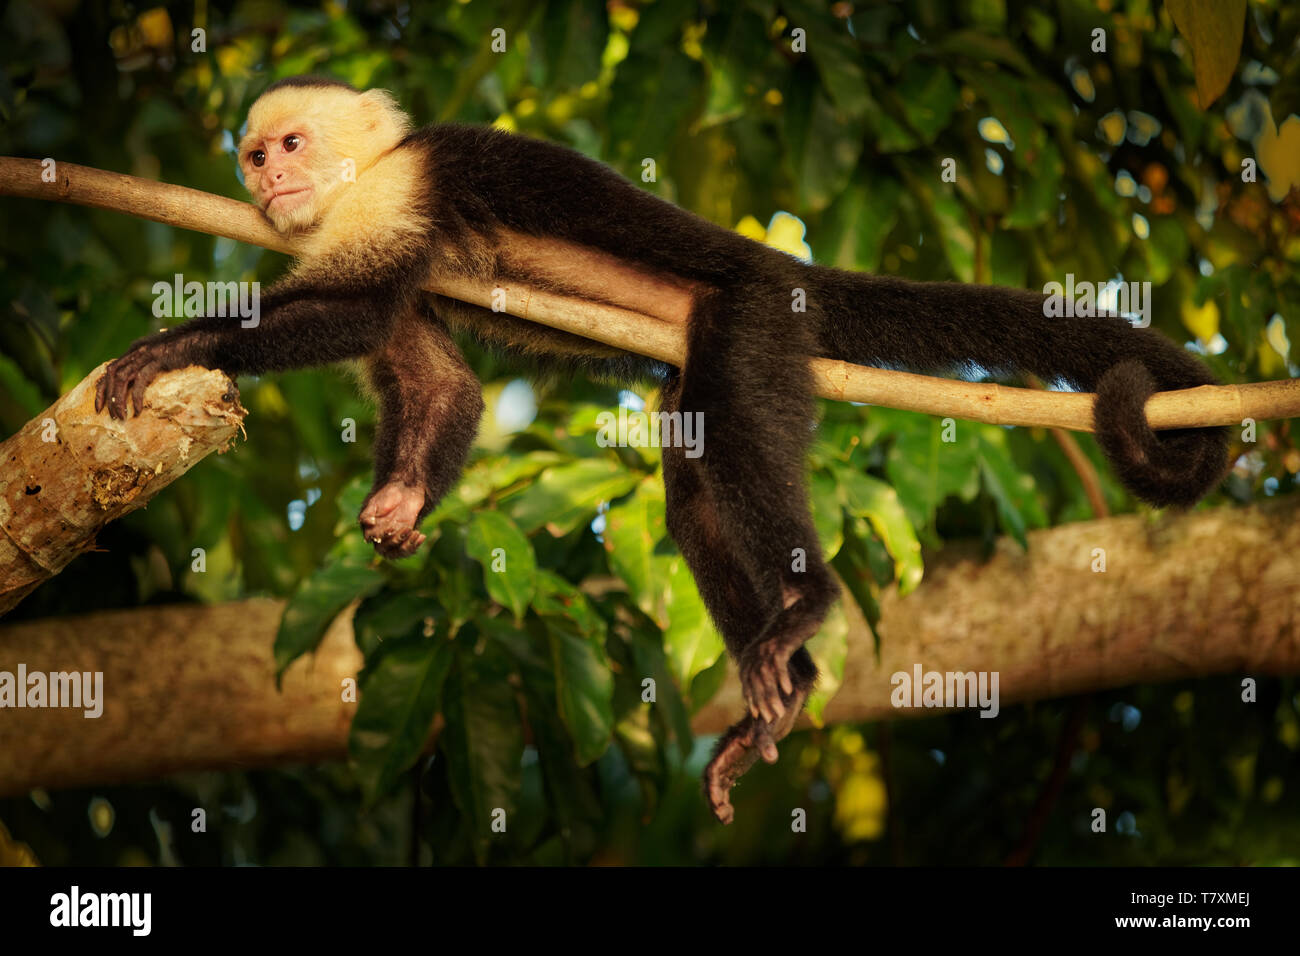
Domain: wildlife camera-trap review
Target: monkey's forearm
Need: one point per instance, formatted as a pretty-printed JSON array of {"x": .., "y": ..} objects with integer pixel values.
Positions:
[{"x": 300, "y": 332}]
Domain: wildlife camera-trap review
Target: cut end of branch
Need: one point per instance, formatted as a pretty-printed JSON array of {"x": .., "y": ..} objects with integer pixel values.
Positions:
[{"x": 71, "y": 470}]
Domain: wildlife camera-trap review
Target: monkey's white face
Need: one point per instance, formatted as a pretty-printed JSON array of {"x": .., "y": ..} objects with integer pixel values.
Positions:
[
  {"x": 303, "y": 144},
  {"x": 282, "y": 170}
]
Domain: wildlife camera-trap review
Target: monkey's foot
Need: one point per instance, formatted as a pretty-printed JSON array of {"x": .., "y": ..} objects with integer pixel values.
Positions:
[
  {"x": 737, "y": 751},
  {"x": 389, "y": 516},
  {"x": 765, "y": 678}
]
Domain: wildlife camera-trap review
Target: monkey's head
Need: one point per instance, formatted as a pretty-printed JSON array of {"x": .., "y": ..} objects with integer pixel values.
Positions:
[{"x": 307, "y": 138}]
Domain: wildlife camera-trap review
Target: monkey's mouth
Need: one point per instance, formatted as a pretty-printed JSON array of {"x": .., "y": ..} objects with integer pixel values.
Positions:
[{"x": 287, "y": 194}]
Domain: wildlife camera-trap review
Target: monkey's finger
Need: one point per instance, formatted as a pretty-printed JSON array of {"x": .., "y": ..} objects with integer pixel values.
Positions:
[
  {"x": 778, "y": 703},
  {"x": 774, "y": 703},
  {"x": 772, "y": 690},
  {"x": 107, "y": 385},
  {"x": 119, "y": 390},
  {"x": 764, "y": 742},
  {"x": 719, "y": 796},
  {"x": 401, "y": 544},
  {"x": 143, "y": 379},
  {"x": 724, "y": 812},
  {"x": 120, "y": 397},
  {"x": 116, "y": 408},
  {"x": 787, "y": 684}
]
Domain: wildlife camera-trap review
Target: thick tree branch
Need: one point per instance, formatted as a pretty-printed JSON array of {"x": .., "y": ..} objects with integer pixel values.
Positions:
[
  {"x": 659, "y": 336},
  {"x": 193, "y": 687},
  {"x": 70, "y": 471}
]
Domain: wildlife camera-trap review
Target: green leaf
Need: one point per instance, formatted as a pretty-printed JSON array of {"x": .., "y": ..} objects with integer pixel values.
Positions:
[
  {"x": 483, "y": 742},
  {"x": 953, "y": 225},
  {"x": 19, "y": 389},
  {"x": 827, "y": 512},
  {"x": 569, "y": 789},
  {"x": 498, "y": 472},
  {"x": 399, "y": 699},
  {"x": 655, "y": 87},
  {"x": 855, "y": 227},
  {"x": 649, "y": 660},
  {"x": 556, "y": 596},
  {"x": 388, "y": 615},
  {"x": 708, "y": 682},
  {"x": 1012, "y": 489},
  {"x": 869, "y": 497},
  {"x": 1213, "y": 29},
  {"x": 317, "y": 602},
  {"x": 853, "y": 565},
  {"x": 823, "y": 142},
  {"x": 633, "y": 529},
  {"x": 1008, "y": 101},
  {"x": 834, "y": 51},
  {"x": 349, "y": 503},
  {"x": 925, "y": 470},
  {"x": 1010, "y": 265},
  {"x": 1037, "y": 192},
  {"x": 927, "y": 95},
  {"x": 584, "y": 687},
  {"x": 572, "y": 36},
  {"x": 1166, "y": 248},
  {"x": 513, "y": 584},
  {"x": 979, "y": 45},
  {"x": 565, "y": 496},
  {"x": 692, "y": 643},
  {"x": 829, "y": 648},
  {"x": 736, "y": 47}
]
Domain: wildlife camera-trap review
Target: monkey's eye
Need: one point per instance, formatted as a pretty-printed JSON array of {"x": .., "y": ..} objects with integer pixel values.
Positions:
[
  {"x": 291, "y": 142},
  {"x": 258, "y": 157}
]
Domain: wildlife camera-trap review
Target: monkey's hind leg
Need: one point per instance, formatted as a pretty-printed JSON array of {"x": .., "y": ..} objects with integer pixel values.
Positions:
[
  {"x": 740, "y": 611},
  {"x": 745, "y": 374},
  {"x": 429, "y": 409}
]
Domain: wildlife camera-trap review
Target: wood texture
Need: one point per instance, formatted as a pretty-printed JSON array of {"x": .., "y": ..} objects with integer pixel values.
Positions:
[
  {"x": 193, "y": 687},
  {"x": 72, "y": 470}
]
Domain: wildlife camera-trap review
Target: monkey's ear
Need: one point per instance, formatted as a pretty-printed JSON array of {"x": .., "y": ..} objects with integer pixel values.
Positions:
[{"x": 380, "y": 112}]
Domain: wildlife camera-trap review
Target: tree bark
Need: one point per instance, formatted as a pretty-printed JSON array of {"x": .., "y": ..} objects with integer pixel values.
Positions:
[
  {"x": 193, "y": 687},
  {"x": 72, "y": 470}
]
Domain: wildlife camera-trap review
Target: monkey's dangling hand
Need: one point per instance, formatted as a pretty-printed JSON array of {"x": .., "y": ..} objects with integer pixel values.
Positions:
[
  {"x": 126, "y": 378},
  {"x": 389, "y": 516}
]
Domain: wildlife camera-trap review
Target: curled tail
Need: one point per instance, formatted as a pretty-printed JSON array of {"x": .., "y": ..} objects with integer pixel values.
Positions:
[{"x": 936, "y": 327}]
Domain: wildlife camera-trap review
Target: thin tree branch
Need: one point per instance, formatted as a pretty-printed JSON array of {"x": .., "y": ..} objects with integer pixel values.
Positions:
[{"x": 658, "y": 336}]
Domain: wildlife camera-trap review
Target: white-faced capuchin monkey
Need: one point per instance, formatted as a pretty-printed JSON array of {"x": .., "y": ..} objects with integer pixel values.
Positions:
[{"x": 478, "y": 202}]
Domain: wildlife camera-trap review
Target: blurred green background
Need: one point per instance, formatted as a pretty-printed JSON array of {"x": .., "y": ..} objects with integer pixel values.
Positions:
[{"x": 1069, "y": 159}]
